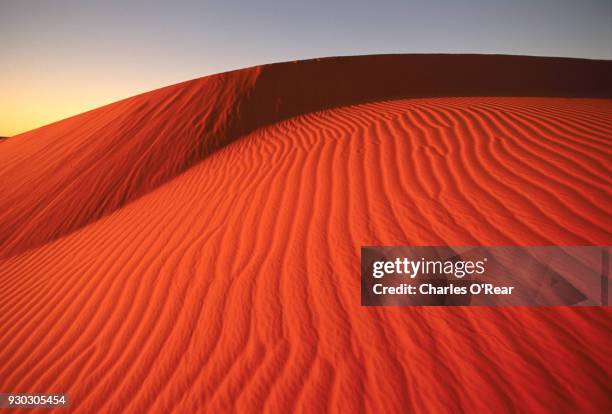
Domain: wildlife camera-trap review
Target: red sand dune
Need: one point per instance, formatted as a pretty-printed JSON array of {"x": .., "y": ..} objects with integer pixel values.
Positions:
[{"x": 197, "y": 247}]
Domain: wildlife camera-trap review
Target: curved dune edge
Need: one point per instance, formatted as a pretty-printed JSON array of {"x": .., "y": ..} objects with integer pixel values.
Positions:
[
  {"x": 61, "y": 177},
  {"x": 236, "y": 284}
]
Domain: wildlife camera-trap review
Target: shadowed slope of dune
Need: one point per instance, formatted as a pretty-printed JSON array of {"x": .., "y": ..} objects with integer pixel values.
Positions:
[
  {"x": 235, "y": 284},
  {"x": 61, "y": 177}
]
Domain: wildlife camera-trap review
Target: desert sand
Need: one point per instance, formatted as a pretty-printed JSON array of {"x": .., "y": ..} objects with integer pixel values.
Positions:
[{"x": 196, "y": 248}]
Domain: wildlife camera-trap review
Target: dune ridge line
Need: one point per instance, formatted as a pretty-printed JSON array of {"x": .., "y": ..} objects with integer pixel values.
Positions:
[{"x": 85, "y": 167}]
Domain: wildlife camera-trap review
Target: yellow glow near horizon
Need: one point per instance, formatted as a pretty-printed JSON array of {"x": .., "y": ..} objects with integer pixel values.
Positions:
[
  {"x": 31, "y": 114},
  {"x": 31, "y": 99},
  {"x": 27, "y": 107}
]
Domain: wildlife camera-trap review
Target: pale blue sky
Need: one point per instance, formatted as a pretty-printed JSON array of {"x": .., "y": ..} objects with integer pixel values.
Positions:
[{"x": 81, "y": 54}]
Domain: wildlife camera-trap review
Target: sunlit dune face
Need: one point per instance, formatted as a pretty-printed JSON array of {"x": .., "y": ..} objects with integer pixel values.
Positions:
[
  {"x": 244, "y": 269},
  {"x": 197, "y": 248}
]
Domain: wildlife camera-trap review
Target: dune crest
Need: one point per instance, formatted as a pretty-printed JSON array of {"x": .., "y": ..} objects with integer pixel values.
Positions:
[{"x": 85, "y": 167}]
